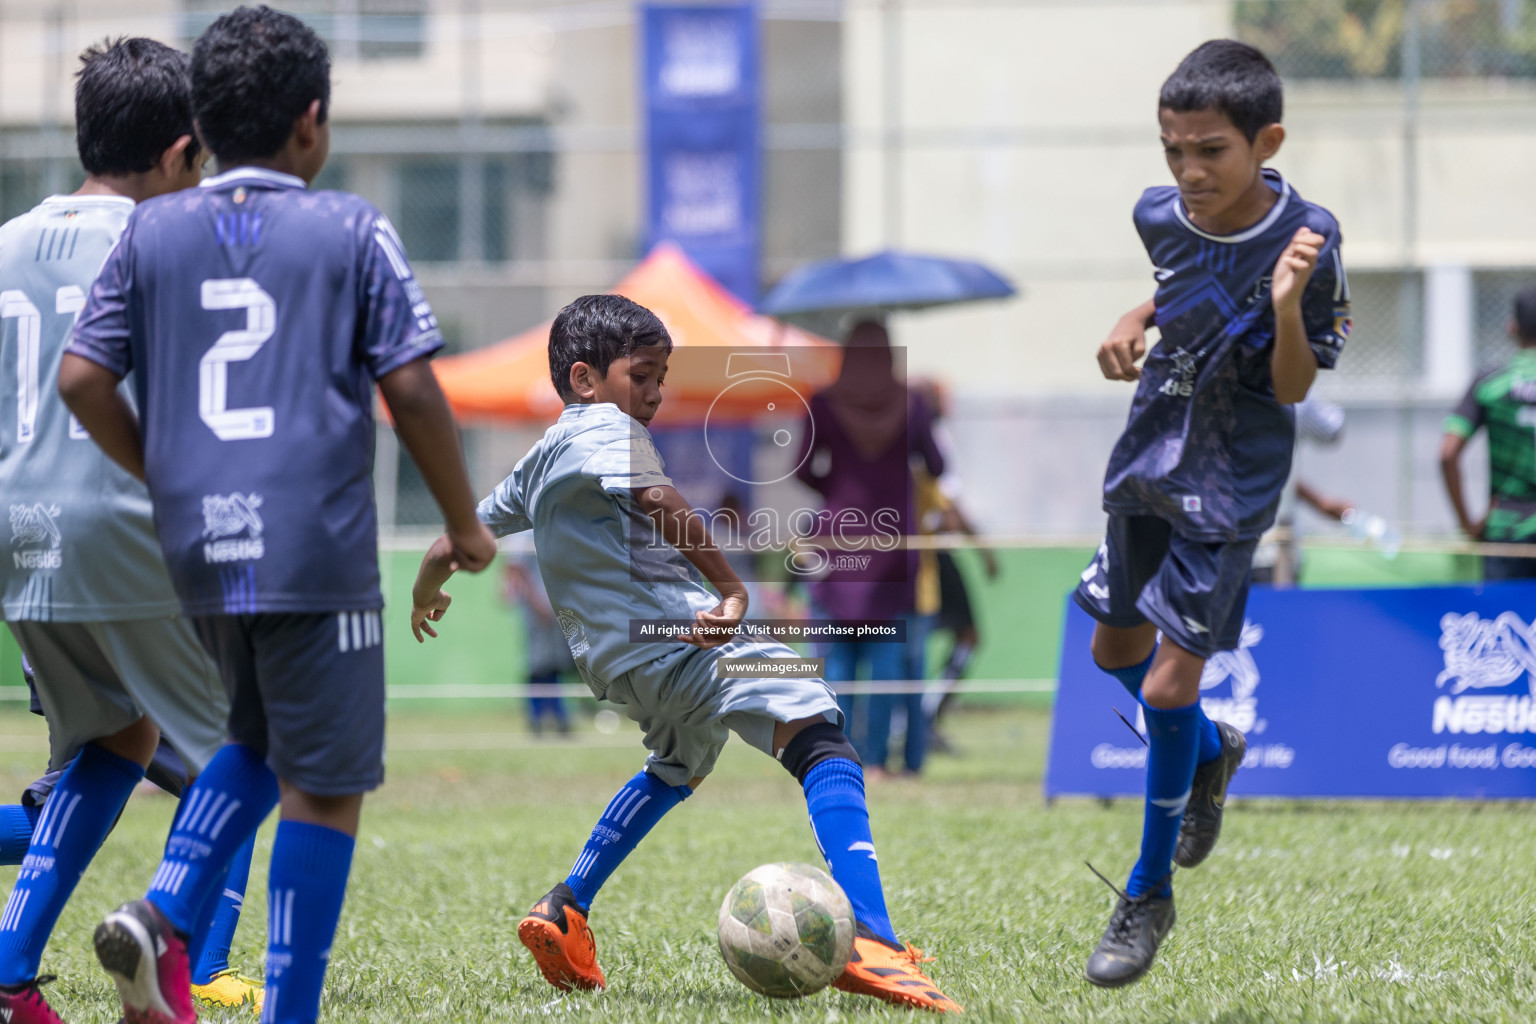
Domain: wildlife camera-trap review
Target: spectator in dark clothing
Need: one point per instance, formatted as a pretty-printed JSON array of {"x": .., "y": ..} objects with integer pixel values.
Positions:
[{"x": 864, "y": 432}]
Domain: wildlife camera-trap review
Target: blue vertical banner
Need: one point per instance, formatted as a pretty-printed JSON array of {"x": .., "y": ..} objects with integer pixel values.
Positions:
[{"x": 703, "y": 117}]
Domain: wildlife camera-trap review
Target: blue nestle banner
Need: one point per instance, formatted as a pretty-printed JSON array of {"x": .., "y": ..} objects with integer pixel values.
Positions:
[
  {"x": 702, "y": 114},
  {"x": 1341, "y": 693}
]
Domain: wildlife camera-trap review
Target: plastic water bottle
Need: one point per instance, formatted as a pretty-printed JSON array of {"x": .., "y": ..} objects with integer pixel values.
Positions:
[{"x": 1375, "y": 530}]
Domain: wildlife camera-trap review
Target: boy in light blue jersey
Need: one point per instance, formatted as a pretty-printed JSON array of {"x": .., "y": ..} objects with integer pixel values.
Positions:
[
  {"x": 1251, "y": 301},
  {"x": 83, "y": 585},
  {"x": 258, "y": 318},
  {"x": 618, "y": 544}
]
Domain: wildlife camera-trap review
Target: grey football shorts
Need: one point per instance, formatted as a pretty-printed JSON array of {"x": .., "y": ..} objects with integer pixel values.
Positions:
[
  {"x": 687, "y": 713},
  {"x": 97, "y": 678},
  {"x": 306, "y": 690}
]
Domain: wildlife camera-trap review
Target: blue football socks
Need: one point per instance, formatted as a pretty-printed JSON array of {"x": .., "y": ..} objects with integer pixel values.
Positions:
[
  {"x": 1131, "y": 678},
  {"x": 219, "y": 813},
  {"x": 305, "y": 889},
  {"x": 80, "y": 812},
  {"x": 834, "y": 794},
  {"x": 1174, "y": 742},
  {"x": 632, "y": 813},
  {"x": 216, "y": 931},
  {"x": 16, "y": 823}
]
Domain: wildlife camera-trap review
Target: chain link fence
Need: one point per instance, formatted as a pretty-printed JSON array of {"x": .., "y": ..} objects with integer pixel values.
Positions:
[{"x": 1361, "y": 40}]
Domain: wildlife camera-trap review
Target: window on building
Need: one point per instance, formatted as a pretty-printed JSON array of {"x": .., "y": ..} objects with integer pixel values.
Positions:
[
  {"x": 332, "y": 176},
  {"x": 354, "y": 29},
  {"x": 429, "y": 209},
  {"x": 21, "y": 186},
  {"x": 429, "y": 201},
  {"x": 25, "y": 183},
  {"x": 1493, "y": 294}
]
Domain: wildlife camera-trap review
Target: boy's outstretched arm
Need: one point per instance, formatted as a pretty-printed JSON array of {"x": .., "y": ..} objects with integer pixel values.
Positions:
[
  {"x": 686, "y": 530},
  {"x": 1127, "y": 343},
  {"x": 426, "y": 428},
  {"x": 90, "y": 391},
  {"x": 1293, "y": 364}
]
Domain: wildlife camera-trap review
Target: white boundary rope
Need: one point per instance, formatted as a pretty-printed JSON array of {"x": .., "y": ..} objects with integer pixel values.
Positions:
[
  {"x": 521, "y": 691},
  {"x": 419, "y": 543},
  {"x": 517, "y": 691}
]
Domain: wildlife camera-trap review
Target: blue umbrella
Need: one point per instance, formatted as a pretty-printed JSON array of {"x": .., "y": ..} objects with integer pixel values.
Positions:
[{"x": 886, "y": 280}]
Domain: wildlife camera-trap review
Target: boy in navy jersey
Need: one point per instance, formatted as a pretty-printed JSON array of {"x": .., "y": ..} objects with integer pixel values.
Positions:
[
  {"x": 257, "y": 316},
  {"x": 1251, "y": 300}
]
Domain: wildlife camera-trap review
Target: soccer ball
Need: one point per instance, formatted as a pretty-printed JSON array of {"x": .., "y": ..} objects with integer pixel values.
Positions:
[{"x": 786, "y": 930}]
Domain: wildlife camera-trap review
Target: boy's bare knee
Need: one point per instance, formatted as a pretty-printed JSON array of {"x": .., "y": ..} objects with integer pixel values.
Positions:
[
  {"x": 1174, "y": 679},
  {"x": 335, "y": 812},
  {"x": 135, "y": 743},
  {"x": 1116, "y": 647},
  {"x": 697, "y": 781}
]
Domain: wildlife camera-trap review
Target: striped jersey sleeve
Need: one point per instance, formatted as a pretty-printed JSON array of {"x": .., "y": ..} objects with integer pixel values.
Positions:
[{"x": 397, "y": 324}]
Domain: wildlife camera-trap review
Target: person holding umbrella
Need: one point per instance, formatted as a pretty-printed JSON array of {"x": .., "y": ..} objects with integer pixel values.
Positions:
[
  {"x": 863, "y": 433},
  {"x": 863, "y": 413}
]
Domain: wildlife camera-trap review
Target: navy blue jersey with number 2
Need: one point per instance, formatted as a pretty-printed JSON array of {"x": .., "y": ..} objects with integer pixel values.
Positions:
[{"x": 256, "y": 316}]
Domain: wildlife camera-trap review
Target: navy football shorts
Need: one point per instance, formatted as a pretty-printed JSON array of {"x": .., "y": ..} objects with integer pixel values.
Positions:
[
  {"x": 306, "y": 690},
  {"x": 1194, "y": 591}
]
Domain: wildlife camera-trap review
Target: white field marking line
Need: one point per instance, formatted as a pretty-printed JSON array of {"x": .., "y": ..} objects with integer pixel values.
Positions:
[
  {"x": 515, "y": 691},
  {"x": 518, "y": 691},
  {"x": 428, "y": 741},
  {"x": 1393, "y": 972}
]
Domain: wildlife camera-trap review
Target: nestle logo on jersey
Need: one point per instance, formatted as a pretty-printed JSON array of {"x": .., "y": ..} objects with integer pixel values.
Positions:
[
  {"x": 50, "y": 559},
  {"x": 225, "y": 518},
  {"x": 35, "y": 526}
]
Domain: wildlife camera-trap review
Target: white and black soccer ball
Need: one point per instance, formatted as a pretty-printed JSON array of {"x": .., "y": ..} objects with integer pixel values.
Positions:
[{"x": 786, "y": 930}]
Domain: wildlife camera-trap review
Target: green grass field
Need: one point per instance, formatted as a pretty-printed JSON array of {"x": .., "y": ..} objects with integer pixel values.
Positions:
[{"x": 1306, "y": 912}]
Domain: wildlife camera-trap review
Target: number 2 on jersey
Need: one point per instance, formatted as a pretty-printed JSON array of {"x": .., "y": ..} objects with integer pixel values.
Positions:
[{"x": 234, "y": 347}]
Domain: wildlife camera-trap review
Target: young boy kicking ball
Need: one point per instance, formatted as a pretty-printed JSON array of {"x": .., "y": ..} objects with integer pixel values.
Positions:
[
  {"x": 1251, "y": 300},
  {"x": 594, "y": 492}
]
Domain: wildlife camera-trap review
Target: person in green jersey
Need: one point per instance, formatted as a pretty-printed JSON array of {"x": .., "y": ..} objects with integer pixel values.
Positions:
[{"x": 1502, "y": 400}]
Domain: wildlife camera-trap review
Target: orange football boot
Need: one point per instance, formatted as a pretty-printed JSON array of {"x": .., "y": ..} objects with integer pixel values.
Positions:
[
  {"x": 875, "y": 969},
  {"x": 556, "y": 932}
]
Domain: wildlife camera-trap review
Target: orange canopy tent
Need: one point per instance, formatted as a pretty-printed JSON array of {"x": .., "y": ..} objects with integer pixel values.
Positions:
[{"x": 728, "y": 363}]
